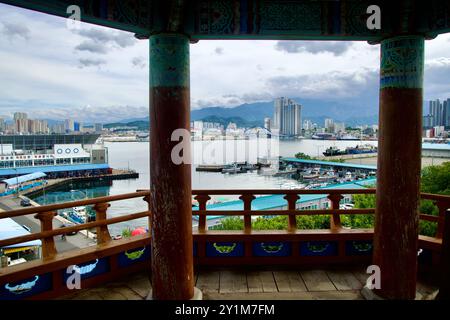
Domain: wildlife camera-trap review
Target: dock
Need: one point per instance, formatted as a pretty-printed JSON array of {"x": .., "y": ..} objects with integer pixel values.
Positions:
[
  {"x": 209, "y": 168},
  {"x": 117, "y": 174}
]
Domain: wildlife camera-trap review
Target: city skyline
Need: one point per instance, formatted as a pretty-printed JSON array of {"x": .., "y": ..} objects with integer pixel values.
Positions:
[{"x": 22, "y": 124}]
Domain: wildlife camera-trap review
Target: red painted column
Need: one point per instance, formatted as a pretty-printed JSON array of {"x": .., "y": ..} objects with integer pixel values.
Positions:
[
  {"x": 170, "y": 179},
  {"x": 399, "y": 164}
]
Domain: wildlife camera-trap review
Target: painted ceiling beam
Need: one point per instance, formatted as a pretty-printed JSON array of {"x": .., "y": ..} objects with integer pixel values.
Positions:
[{"x": 257, "y": 19}]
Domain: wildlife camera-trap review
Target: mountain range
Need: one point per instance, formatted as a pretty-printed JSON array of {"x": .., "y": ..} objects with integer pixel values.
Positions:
[{"x": 253, "y": 114}]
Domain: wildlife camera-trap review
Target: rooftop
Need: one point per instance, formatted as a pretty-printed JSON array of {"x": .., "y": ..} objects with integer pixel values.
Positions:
[
  {"x": 48, "y": 169},
  {"x": 331, "y": 163}
]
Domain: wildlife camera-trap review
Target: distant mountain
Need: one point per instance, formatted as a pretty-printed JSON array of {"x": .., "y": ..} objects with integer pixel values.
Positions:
[
  {"x": 253, "y": 114},
  {"x": 248, "y": 111},
  {"x": 139, "y": 124},
  {"x": 315, "y": 110}
]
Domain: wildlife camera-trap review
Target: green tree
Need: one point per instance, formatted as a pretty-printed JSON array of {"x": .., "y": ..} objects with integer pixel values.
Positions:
[
  {"x": 436, "y": 179},
  {"x": 301, "y": 155}
]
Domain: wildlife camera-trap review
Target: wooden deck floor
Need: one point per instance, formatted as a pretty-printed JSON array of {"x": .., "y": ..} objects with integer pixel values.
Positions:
[{"x": 253, "y": 285}]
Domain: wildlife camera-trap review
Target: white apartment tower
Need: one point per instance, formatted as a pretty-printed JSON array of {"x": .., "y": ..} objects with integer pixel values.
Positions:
[{"x": 287, "y": 117}]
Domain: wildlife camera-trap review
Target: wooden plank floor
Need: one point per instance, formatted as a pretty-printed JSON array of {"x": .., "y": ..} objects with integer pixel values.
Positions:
[{"x": 256, "y": 284}]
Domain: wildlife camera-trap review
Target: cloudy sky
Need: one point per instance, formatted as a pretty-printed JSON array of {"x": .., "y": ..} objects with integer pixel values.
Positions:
[{"x": 95, "y": 73}]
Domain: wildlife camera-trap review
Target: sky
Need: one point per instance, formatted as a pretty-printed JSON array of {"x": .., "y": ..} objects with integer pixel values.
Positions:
[{"x": 94, "y": 73}]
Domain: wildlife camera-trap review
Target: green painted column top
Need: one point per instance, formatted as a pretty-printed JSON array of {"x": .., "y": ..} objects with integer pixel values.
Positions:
[
  {"x": 169, "y": 60},
  {"x": 402, "y": 62}
]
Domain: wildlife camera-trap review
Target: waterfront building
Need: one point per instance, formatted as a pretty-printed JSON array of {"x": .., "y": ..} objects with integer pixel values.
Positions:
[
  {"x": 55, "y": 155},
  {"x": 288, "y": 117}
]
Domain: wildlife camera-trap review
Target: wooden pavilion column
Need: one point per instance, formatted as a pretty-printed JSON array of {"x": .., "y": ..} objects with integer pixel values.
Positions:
[
  {"x": 399, "y": 164},
  {"x": 170, "y": 183}
]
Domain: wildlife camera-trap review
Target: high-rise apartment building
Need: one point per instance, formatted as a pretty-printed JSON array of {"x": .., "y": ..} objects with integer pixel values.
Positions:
[
  {"x": 428, "y": 121},
  {"x": 446, "y": 113},
  {"x": 435, "y": 110},
  {"x": 20, "y": 115},
  {"x": 21, "y": 122},
  {"x": 288, "y": 117}
]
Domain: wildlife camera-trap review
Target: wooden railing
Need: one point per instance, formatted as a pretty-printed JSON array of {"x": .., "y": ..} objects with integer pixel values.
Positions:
[
  {"x": 109, "y": 259},
  {"x": 291, "y": 246},
  {"x": 292, "y": 236}
]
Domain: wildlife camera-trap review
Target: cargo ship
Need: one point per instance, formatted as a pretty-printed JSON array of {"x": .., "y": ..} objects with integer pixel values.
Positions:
[{"x": 362, "y": 149}]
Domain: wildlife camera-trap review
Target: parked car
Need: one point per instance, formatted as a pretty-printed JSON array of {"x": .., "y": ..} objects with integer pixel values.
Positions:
[
  {"x": 25, "y": 203},
  {"x": 117, "y": 237}
]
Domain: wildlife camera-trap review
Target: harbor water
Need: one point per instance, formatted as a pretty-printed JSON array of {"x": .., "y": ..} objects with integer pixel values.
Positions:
[{"x": 135, "y": 155}]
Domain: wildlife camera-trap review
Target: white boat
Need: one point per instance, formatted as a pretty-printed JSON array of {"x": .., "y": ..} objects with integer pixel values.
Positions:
[{"x": 76, "y": 214}]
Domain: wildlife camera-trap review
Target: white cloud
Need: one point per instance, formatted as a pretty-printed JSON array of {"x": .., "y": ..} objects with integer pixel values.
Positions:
[{"x": 46, "y": 68}]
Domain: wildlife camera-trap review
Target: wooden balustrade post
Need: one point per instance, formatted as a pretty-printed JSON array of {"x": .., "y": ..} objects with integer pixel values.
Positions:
[
  {"x": 442, "y": 206},
  {"x": 103, "y": 235},
  {"x": 444, "y": 288},
  {"x": 335, "y": 219},
  {"x": 202, "y": 200},
  {"x": 292, "y": 204},
  {"x": 48, "y": 244},
  {"x": 247, "y": 198}
]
